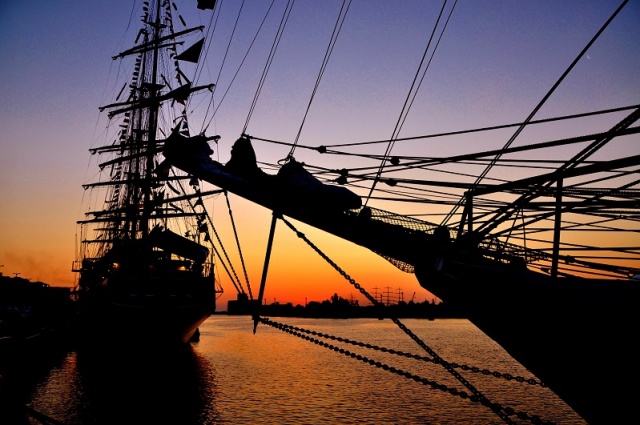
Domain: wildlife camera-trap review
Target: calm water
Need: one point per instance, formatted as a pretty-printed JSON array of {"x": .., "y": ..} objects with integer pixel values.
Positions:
[{"x": 233, "y": 376}]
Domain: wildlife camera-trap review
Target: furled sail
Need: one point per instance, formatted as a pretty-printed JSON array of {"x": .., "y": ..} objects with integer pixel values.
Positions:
[
  {"x": 174, "y": 243},
  {"x": 206, "y": 4}
]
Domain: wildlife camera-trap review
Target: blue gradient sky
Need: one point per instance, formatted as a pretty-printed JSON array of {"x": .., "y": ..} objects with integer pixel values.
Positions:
[{"x": 496, "y": 61}]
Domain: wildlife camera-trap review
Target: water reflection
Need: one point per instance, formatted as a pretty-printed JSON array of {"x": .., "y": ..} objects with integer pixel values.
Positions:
[
  {"x": 109, "y": 386},
  {"x": 21, "y": 371},
  {"x": 235, "y": 376}
]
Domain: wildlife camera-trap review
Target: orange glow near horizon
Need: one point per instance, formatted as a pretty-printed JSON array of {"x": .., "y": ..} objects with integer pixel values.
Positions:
[
  {"x": 296, "y": 274},
  {"x": 488, "y": 72}
]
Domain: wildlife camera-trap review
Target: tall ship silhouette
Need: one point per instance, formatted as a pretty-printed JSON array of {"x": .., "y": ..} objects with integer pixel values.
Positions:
[{"x": 145, "y": 265}]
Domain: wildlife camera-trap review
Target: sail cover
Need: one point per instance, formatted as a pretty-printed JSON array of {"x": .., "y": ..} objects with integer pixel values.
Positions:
[
  {"x": 206, "y": 4},
  {"x": 176, "y": 244}
]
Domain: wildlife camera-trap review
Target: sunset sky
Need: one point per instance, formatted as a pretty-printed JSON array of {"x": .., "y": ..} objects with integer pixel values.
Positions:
[{"x": 495, "y": 62}]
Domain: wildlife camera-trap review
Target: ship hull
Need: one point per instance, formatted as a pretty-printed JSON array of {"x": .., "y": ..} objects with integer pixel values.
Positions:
[
  {"x": 159, "y": 302},
  {"x": 575, "y": 335},
  {"x": 133, "y": 324}
]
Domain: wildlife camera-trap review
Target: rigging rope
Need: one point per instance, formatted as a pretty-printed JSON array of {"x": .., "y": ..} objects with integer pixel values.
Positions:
[
  {"x": 272, "y": 52},
  {"x": 424, "y": 73},
  {"x": 235, "y": 233},
  {"x": 541, "y": 103},
  {"x": 407, "y": 104},
  {"x": 324, "y": 148},
  {"x": 332, "y": 42},
  {"x": 422, "y": 162},
  {"x": 244, "y": 58},
  {"x": 233, "y": 31},
  {"x": 572, "y": 164},
  {"x": 229, "y": 269},
  {"x": 210, "y": 30}
]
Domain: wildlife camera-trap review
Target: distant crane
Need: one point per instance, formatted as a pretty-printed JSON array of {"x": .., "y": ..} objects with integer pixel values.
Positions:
[{"x": 413, "y": 296}]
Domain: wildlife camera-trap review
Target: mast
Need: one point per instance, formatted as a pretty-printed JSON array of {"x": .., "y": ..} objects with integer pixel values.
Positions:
[
  {"x": 153, "y": 122},
  {"x": 140, "y": 191}
]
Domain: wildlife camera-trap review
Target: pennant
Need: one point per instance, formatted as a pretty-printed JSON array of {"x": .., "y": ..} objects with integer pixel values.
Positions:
[
  {"x": 181, "y": 94},
  {"x": 192, "y": 54}
]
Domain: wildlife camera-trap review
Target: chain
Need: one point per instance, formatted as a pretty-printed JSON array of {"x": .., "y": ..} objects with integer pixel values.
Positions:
[
  {"x": 494, "y": 407},
  {"x": 473, "y": 369},
  {"x": 504, "y": 412}
]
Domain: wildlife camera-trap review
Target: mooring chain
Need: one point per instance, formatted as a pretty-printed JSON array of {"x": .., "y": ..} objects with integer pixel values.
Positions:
[
  {"x": 504, "y": 412},
  {"x": 495, "y": 408},
  {"x": 473, "y": 369}
]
